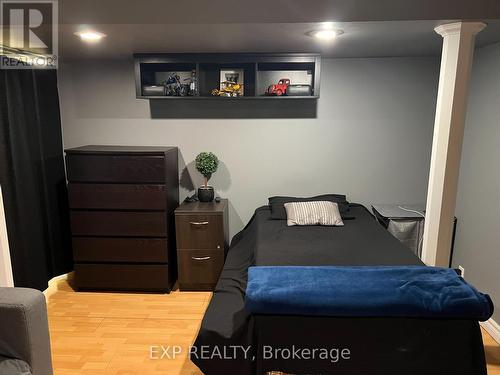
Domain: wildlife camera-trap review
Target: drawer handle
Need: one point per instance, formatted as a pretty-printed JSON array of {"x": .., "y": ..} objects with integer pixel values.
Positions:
[
  {"x": 198, "y": 223},
  {"x": 200, "y": 258}
]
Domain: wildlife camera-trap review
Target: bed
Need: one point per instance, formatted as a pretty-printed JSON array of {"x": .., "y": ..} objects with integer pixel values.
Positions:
[{"x": 231, "y": 341}]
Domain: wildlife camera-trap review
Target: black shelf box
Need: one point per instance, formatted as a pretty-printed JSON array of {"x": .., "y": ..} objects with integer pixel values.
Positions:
[{"x": 259, "y": 70}]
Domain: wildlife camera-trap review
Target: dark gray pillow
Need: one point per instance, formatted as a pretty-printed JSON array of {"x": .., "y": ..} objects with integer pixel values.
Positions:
[{"x": 277, "y": 204}]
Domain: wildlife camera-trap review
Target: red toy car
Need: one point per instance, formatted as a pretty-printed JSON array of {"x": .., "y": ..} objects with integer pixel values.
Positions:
[{"x": 279, "y": 88}]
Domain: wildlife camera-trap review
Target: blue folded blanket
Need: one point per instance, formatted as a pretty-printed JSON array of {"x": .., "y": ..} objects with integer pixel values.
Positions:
[{"x": 386, "y": 291}]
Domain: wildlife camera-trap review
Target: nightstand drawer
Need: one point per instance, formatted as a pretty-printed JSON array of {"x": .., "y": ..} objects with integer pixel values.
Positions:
[
  {"x": 200, "y": 231},
  {"x": 199, "y": 269}
]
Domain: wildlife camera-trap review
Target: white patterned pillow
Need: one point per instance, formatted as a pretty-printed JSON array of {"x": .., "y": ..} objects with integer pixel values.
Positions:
[{"x": 313, "y": 213}]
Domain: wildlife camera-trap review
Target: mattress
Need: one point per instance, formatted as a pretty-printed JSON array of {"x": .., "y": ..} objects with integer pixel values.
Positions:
[{"x": 412, "y": 343}]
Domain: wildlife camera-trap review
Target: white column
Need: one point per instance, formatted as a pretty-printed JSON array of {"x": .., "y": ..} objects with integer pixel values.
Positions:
[
  {"x": 6, "y": 278},
  {"x": 456, "y": 61}
]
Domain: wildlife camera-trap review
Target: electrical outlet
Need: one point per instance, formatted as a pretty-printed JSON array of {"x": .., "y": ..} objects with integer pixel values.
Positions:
[{"x": 462, "y": 271}]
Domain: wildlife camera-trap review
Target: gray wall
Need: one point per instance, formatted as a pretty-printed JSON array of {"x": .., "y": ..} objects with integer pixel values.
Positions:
[
  {"x": 370, "y": 138},
  {"x": 477, "y": 246}
]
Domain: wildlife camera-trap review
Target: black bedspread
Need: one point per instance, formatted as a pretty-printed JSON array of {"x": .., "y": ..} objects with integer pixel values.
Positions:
[{"x": 378, "y": 345}]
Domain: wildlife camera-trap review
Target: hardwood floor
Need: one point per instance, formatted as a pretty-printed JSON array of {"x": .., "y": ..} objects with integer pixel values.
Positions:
[
  {"x": 112, "y": 333},
  {"x": 492, "y": 350}
]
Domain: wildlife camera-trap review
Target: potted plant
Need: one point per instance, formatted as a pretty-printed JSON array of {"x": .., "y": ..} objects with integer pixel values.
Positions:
[{"x": 206, "y": 164}]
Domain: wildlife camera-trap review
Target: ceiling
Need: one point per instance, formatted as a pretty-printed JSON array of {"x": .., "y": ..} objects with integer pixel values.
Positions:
[
  {"x": 372, "y": 28},
  {"x": 360, "y": 39},
  {"x": 270, "y": 11}
]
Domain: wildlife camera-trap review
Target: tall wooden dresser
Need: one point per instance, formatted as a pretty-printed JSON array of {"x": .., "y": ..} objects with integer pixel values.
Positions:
[{"x": 122, "y": 201}]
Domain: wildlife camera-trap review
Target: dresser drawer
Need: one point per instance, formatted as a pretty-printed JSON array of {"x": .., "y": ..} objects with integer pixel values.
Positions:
[
  {"x": 199, "y": 269},
  {"x": 199, "y": 231},
  {"x": 122, "y": 277},
  {"x": 117, "y": 196},
  {"x": 115, "y": 168},
  {"x": 115, "y": 223},
  {"x": 131, "y": 250}
]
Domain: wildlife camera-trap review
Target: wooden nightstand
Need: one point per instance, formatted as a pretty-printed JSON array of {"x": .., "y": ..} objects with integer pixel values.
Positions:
[{"x": 202, "y": 242}]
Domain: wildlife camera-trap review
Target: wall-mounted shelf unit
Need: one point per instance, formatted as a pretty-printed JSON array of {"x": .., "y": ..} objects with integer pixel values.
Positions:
[{"x": 258, "y": 71}]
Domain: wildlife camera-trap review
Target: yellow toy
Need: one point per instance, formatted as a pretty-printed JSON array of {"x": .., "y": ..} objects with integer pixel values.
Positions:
[{"x": 228, "y": 88}]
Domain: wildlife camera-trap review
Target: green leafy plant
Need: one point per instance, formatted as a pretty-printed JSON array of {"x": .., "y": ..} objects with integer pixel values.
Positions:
[{"x": 206, "y": 164}]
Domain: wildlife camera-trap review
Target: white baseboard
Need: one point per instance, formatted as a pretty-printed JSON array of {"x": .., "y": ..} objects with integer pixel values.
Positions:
[
  {"x": 64, "y": 276},
  {"x": 52, "y": 288},
  {"x": 492, "y": 328}
]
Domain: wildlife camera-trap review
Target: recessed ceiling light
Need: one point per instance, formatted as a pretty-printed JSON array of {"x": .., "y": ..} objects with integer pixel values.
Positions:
[
  {"x": 325, "y": 34},
  {"x": 90, "y": 36}
]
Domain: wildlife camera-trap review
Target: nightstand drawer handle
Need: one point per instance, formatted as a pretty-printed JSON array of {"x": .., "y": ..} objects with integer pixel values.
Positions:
[
  {"x": 200, "y": 258},
  {"x": 198, "y": 222}
]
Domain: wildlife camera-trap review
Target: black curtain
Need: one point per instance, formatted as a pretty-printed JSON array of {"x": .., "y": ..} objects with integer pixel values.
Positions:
[{"x": 32, "y": 177}]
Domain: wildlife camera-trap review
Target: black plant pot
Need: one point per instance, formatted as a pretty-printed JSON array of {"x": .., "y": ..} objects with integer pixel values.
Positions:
[{"x": 206, "y": 194}]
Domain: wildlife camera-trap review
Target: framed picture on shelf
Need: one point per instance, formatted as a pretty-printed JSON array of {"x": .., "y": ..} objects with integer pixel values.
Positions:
[{"x": 234, "y": 76}]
